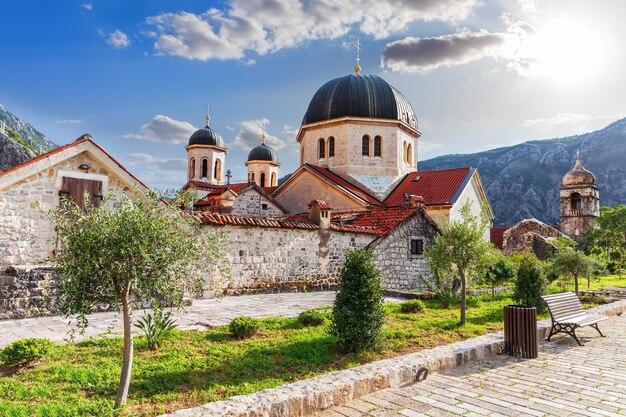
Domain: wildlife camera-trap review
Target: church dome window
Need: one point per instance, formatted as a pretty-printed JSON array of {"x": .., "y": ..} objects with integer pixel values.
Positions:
[
  {"x": 321, "y": 148},
  {"x": 365, "y": 145},
  {"x": 378, "y": 146},
  {"x": 192, "y": 168},
  {"x": 409, "y": 154},
  {"x": 217, "y": 174},
  {"x": 331, "y": 147},
  {"x": 262, "y": 178},
  {"x": 205, "y": 168}
]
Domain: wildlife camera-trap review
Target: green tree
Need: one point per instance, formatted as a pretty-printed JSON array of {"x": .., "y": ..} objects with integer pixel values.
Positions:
[
  {"x": 530, "y": 284},
  {"x": 499, "y": 271},
  {"x": 143, "y": 250},
  {"x": 461, "y": 250},
  {"x": 359, "y": 314},
  {"x": 611, "y": 234},
  {"x": 573, "y": 264}
]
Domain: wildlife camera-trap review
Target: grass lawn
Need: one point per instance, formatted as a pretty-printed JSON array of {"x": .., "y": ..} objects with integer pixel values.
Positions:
[
  {"x": 603, "y": 281},
  {"x": 197, "y": 367}
]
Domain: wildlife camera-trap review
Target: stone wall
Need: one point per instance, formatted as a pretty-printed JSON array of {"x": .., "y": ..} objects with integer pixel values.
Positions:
[
  {"x": 28, "y": 291},
  {"x": 274, "y": 260},
  {"x": 519, "y": 237},
  {"x": 250, "y": 203},
  {"x": 27, "y": 236},
  {"x": 400, "y": 270}
]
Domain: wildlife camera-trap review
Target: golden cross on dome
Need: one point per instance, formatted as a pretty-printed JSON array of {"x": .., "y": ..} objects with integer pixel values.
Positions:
[
  {"x": 357, "y": 45},
  {"x": 208, "y": 114}
]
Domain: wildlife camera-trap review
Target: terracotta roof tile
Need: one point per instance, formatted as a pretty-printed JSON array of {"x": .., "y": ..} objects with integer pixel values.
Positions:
[
  {"x": 236, "y": 187},
  {"x": 384, "y": 220},
  {"x": 435, "y": 187}
]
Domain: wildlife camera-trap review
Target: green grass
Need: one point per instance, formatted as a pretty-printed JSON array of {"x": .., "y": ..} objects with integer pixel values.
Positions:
[
  {"x": 195, "y": 367},
  {"x": 603, "y": 281}
]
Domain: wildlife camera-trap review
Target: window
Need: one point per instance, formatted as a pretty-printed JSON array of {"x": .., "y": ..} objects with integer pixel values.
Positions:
[
  {"x": 192, "y": 168},
  {"x": 76, "y": 188},
  {"x": 273, "y": 182},
  {"x": 218, "y": 169},
  {"x": 409, "y": 154},
  {"x": 252, "y": 177},
  {"x": 404, "y": 154},
  {"x": 576, "y": 201},
  {"x": 417, "y": 247},
  {"x": 322, "y": 148},
  {"x": 378, "y": 146},
  {"x": 263, "y": 206},
  {"x": 262, "y": 177},
  {"x": 205, "y": 168},
  {"x": 331, "y": 147},
  {"x": 365, "y": 146}
]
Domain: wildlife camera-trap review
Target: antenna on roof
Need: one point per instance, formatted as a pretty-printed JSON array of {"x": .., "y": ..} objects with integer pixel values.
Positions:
[{"x": 357, "y": 45}]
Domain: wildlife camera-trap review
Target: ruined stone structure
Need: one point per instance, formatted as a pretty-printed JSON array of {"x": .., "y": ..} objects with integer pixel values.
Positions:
[
  {"x": 580, "y": 201},
  {"x": 528, "y": 235}
]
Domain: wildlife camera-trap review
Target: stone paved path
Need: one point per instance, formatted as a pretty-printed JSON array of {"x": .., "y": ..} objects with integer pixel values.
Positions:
[
  {"x": 200, "y": 315},
  {"x": 566, "y": 380}
]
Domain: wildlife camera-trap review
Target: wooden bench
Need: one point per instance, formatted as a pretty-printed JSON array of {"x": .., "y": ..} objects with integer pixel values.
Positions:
[{"x": 567, "y": 315}]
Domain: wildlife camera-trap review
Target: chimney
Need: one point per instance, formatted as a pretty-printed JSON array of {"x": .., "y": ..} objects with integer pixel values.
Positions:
[
  {"x": 320, "y": 213},
  {"x": 413, "y": 200}
]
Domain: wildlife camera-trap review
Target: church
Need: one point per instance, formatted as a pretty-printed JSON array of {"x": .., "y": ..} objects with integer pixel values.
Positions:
[{"x": 357, "y": 186}]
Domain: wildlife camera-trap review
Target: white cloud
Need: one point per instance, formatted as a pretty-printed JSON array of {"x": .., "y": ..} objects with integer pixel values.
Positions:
[
  {"x": 529, "y": 6},
  {"x": 87, "y": 6},
  {"x": 265, "y": 26},
  {"x": 69, "y": 121},
  {"x": 250, "y": 132},
  {"x": 164, "y": 129},
  {"x": 559, "y": 119},
  {"x": 118, "y": 39},
  {"x": 158, "y": 172}
]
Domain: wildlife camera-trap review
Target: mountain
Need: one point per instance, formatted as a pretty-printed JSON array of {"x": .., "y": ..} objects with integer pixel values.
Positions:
[
  {"x": 19, "y": 141},
  {"x": 523, "y": 181}
]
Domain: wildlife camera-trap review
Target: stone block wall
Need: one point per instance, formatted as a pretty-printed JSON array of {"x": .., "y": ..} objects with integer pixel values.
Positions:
[
  {"x": 519, "y": 237},
  {"x": 250, "y": 204},
  {"x": 28, "y": 291},
  {"x": 400, "y": 270}
]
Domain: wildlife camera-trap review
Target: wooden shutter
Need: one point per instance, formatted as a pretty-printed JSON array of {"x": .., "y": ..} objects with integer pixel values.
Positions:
[{"x": 75, "y": 189}]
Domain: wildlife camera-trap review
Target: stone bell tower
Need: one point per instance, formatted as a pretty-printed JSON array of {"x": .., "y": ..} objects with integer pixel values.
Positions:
[{"x": 580, "y": 201}]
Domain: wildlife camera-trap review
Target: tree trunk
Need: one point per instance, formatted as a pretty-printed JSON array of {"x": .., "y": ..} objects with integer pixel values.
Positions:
[
  {"x": 576, "y": 284},
  {"x": 463, "y": 300},
  {"x": 122, "y": 392}
]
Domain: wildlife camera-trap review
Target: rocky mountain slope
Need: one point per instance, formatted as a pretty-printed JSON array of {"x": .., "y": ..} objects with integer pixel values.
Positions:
[
  {"x": 20, "y": 141},
  {"x": 523, "y": 181}
]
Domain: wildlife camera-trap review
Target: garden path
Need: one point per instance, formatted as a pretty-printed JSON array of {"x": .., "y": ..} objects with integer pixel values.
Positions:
[
  {"x": 566, "y": 380},
  {"x": 200, "y": 315}
]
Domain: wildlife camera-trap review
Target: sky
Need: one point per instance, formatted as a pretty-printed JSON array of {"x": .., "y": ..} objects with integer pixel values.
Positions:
[{"x": 139, "y": 75}]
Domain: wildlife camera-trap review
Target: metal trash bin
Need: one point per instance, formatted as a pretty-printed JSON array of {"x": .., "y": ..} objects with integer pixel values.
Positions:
[{"x": 520, "y": 331}]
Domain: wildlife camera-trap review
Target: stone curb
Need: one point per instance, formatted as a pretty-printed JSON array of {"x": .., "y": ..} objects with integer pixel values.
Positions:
[{"x": 302, "y": 398}]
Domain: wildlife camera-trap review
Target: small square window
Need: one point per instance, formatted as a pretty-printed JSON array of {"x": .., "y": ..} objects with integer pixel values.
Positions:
[
  {"x": 417, "y": 247},
  {"x": 263, "y": 206}
]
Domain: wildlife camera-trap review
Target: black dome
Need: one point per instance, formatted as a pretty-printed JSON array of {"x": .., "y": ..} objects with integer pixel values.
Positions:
[
  {"x": 206, "y": 136},
  {"x": 359, "y": 96},
  {"x": 263, "y": 153}
]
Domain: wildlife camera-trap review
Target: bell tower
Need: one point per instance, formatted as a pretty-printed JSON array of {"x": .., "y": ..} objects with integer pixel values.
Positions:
[
  {"x": 580, "y": 201},
  {"x": 206, "y": 156}
]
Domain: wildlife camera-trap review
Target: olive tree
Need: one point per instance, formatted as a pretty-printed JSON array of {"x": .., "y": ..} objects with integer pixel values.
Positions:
[
  {"x": 498, "y": 271},
  {"x": 141, "y": 250},
  {"x": 573, "y": 264},
  {"x": 610, "y": 234},
  {"x": 461, "y": 250}
]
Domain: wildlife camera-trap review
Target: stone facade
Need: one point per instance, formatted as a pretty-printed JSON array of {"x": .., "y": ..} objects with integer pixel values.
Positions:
[
  {"x": 213, "y": 155},
  {"x": 401, "y": 270},
  {"x": 263, "y": 173},
  {"x": 250, "y": 203},
  {"x": 27, "y": 236},
  {"x": 521, "y": 236},
  {"x": 27, "y": 292},
  {"x": 577, "y": 218}
]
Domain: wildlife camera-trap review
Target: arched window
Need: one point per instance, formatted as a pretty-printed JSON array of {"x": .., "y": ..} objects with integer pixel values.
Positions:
[
  {"x": 274, "y": 182},
  {"x": 192, "y": 168},
  {"x": 331, "y": 147},
  {"x": 365, "y": 146},
  {"x": 404, "y": 153},
  {"x": 409, "y": 154},
  {"x": 576, "y": 201},
  {"x": 378, "y": 145},
  {"x": 205, "y": 168},
  {"x": 262, "y": 179},
  {"x": 321, "y": 148},
  {"x": 252, "y": 177},
  {"x": 218, "y": 169}
]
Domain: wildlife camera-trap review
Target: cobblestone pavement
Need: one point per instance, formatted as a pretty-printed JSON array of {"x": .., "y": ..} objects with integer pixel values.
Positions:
[
  {"x": 200, "y": 315},
  {"x": 566, "y": 380}
]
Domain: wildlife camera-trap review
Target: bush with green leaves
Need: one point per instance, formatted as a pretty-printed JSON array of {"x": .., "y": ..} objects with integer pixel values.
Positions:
[
  {"x": 311, "y": 318},
  {"x": 358, "y": 313},
  {"x": 25, "y": 351},
  {"x": 243, "y": 327},
  {"x": 530, "y": 284},
  {"x": 448, "y": 297},
  {"x": 156, "y": 326},
  {"x": 412, "y": 306}
]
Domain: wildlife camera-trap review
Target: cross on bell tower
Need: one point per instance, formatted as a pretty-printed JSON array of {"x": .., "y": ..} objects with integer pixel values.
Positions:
[{"x": 357, "y": 45}]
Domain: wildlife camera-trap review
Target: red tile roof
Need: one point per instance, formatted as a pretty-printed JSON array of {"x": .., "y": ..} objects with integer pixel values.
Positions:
[
  {"x": 270, "y": 190},
  {"x": 384, "y": 220},
  {"x": 320, "y": 204},
  {"x": 436, "y": 187},
  {"x": 236, "y": 187},
  {"x": 496, "y": 235},
  {"x": 351, "y": 188}
]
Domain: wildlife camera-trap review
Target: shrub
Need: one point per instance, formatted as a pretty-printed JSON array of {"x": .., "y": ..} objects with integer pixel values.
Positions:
[
  {"x": 530, "y": 284},
  {"x": 243, "y": 327},
  {"x": 358, "y": 313},
  {"x": 448, "y": 297},
  {"x": 156, "y": 327},
  {"x": 411, "y": 306},
  {"x": 25, "y": 351},
  {"x": 311, "y": 318}
]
